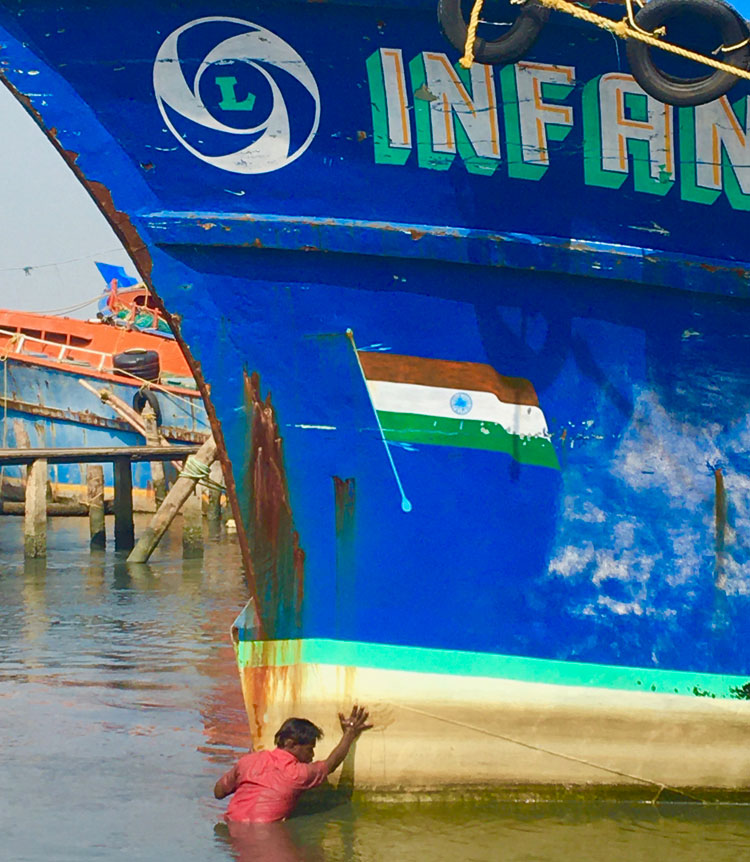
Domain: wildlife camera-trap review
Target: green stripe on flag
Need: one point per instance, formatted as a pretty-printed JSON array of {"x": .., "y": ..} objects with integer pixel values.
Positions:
[{"x": 468, "y": 434}]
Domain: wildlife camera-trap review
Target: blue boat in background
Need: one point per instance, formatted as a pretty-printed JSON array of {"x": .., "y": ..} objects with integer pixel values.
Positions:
[
  {"x": 473, "y": 341},
  {"x": 75, "y": 383}
]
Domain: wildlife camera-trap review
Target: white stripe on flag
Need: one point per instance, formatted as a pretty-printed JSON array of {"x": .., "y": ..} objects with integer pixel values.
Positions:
[{"x": 522, "y": 419}]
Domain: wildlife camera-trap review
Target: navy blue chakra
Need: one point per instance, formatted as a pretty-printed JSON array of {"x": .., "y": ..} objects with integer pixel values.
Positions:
[{"x": 461, "y": 403}]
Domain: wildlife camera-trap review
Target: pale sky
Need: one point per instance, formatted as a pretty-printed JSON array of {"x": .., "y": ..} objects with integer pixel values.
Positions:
[{"x": 50, "y": 231}]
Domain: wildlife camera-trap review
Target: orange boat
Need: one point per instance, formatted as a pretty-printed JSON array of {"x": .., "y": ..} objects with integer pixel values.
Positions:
[{"x": 53, "y": 372}]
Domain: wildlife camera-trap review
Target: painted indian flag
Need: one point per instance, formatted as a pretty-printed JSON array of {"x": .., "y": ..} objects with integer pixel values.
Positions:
[{"x": 463, "y": 404}]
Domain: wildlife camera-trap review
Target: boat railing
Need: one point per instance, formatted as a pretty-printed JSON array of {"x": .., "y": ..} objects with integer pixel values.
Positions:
[
  {"x": 14, "y": 343},
  {"x": 18, "y": 343}
]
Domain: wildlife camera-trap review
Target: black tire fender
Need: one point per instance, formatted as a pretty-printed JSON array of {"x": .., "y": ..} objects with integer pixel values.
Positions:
[
  {"x": 138, "y": 362},
  {"x": 146, "y": 396},
  {"x": 689, "y": 91},
  {"x": 512, "y": 46}
]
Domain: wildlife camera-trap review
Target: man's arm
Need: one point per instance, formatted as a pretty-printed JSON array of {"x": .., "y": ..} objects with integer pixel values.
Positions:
[
  {"x": 351, "y": 728},
  {"x": 227, "y": 784}
]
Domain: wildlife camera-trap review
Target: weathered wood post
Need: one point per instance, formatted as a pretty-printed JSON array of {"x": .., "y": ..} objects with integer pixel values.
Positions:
[
  {"x": 213, "y": 510},
  {"x": 192, "y": 524},
  {"x": 124, "y": 529},
  {"x": 35, "y": 523},
  {"x": 95, "y": 492},
  {"x": 178, "y": 493},
  {"x": 153, "y": 438}
]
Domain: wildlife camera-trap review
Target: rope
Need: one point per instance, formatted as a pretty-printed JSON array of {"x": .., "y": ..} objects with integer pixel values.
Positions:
[
  {"x": 623, "y": 29},
  {"x": 152, "y": 384},
  {"x": 77, "y": 307},
  {"x": 195, "y": 469},
  {"x": 471, "y": 35},
  {"x": 31, "y": 267},
  {"x": 658, "y": 784}
]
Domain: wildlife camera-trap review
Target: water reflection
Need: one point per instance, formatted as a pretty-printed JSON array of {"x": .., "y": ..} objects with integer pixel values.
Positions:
[{"x": 266, "y": 842}]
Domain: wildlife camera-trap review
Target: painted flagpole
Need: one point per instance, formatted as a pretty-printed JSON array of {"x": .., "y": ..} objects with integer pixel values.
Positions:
[{"x": 405, "y": 502}]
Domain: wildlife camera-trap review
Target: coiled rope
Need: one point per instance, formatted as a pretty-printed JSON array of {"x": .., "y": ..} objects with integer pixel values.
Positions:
[
  {"x": 624, "y": 29},
  {"x": 195, "y": 469}
]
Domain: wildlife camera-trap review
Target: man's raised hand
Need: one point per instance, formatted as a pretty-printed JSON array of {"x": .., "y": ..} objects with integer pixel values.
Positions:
[{"x": 356, "y": 722}]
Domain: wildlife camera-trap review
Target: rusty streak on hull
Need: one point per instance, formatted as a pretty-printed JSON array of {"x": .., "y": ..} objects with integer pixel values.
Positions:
[
  {"x": 273, "y": 542},
  {"x": 720, "y": 516}
]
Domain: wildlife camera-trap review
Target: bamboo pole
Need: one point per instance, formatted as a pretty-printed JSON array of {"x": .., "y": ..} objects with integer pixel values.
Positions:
[
  {"x": 178, "y": 493},
  {"x": 123, "y": 410}
]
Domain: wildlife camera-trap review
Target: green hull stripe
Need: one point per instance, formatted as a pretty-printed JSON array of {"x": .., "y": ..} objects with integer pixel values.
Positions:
[
  {"x": 474, "y": 664},
  {"x": 467, "y": 434}
]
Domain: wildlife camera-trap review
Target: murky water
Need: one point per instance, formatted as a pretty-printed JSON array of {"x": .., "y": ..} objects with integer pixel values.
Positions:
[{"x": 120, "y": 706}]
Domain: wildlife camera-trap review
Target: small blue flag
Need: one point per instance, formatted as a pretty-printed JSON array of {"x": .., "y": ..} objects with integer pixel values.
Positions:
[{"x": 109, "y": 271}]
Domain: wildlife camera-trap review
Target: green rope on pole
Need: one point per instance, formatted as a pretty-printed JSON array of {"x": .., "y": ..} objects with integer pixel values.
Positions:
[{"x": 195, "y": 469}]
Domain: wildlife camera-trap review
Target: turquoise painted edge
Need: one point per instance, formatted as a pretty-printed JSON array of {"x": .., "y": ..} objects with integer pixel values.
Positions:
[{"x": 476, "y": 664}]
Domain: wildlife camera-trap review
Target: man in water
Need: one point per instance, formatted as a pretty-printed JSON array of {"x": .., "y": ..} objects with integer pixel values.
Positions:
[{"x": 267, "y": 784}]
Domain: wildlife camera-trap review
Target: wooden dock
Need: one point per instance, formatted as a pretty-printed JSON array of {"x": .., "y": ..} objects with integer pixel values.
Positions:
[
  {"x": 121, "y": 457},
  {"x": 15, "y": 457}
]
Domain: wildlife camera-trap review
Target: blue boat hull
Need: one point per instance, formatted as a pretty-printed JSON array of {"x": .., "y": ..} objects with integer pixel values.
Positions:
[
  {"x": 353, "y": 191},
  {"x": 46, "y": 407}
]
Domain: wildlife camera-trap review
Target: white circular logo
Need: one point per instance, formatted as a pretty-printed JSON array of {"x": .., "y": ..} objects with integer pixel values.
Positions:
[{"x": 226, "y": 98}]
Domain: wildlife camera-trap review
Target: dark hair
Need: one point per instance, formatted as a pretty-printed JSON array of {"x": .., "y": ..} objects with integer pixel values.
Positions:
[{"x": 300, "y": 731}]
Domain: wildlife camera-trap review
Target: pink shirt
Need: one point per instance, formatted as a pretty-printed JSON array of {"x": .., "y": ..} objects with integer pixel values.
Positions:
[{"x": 266, "y": 785}]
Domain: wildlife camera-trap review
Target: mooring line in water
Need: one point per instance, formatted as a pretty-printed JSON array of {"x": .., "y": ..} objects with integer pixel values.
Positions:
[
  {"x": 661, "y": 787},
  {"x": 405, "y": 503}
]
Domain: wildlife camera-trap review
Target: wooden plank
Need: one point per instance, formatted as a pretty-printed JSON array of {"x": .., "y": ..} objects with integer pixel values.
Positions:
[
  {"x": 67, "y": 509},
  {"x": 91, "y": 455},
  {"x": 124, "y": 529}
]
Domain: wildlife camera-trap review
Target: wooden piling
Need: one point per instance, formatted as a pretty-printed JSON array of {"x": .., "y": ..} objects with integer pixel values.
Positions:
[
  {"x": 192, "y": 524},
  {"x": 95, "y": 489},
  {"x": 153, "y": 438},
  {"x": 124, "y": 529},
  {"x": 178, "y": 494},
  {"x": 213, "y": 509},
  {"x": 35, "y": 523}
]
